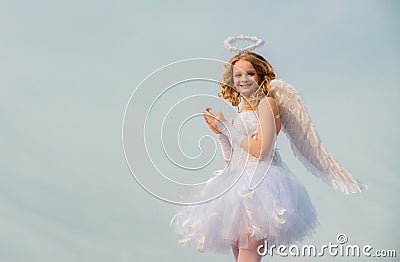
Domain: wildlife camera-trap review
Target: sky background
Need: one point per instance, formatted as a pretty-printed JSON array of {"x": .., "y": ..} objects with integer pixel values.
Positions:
[{"x": 68, "y": 69}]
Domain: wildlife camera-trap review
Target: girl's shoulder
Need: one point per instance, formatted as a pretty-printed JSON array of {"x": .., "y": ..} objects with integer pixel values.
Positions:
[{"x": 268, "y": 101}]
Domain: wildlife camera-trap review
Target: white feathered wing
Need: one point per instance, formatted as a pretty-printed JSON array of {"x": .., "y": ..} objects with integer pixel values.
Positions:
[{"x": 305, "y": 143}]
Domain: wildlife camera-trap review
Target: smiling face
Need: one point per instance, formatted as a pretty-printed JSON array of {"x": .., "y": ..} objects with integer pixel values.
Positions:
[{"x": 245, "y": 77}]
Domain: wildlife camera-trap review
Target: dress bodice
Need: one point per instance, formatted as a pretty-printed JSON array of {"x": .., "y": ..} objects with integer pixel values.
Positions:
[{"x": 246, "y": 122}]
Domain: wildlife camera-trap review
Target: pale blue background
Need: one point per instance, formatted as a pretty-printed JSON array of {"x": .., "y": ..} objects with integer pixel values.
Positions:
[{"x": 68, "y": 69}]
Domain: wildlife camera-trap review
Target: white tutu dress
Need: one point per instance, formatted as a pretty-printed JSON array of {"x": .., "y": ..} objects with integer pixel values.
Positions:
[{"x": 278, "y": 210}]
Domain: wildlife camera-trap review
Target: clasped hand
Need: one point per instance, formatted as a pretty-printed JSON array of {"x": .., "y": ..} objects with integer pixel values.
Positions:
[{"x": 212, "y": 118}]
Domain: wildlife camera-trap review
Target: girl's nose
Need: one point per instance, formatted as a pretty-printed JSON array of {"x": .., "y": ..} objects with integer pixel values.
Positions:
[{"x": 244, "y": 78}]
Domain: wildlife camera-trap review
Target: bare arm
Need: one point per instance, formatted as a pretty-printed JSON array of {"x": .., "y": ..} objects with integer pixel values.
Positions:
[{"x": 262, "y": 143}]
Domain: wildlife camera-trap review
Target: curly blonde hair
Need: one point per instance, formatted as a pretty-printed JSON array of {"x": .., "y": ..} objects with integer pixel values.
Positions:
[{"x": 264, "y": 70}]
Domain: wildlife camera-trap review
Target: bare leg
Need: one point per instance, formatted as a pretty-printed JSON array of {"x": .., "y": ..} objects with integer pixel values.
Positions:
[
  {"x": 235, "y": 251},
  {"x": 250, "y": 254}
]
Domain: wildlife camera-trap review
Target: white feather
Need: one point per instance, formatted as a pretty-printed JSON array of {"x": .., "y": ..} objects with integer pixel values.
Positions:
[{"x": 305, "y": 142}]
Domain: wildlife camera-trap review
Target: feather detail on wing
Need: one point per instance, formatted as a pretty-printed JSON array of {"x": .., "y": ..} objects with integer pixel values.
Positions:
[{"x": 305, "y": 142}]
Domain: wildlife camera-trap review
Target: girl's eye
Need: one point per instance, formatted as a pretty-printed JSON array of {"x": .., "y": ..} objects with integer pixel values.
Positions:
[
  {"x": 237, "y": 75},
  {"x": 251, "y": 74}
]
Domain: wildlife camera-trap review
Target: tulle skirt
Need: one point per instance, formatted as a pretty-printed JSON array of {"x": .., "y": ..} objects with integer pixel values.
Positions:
[{"x": 279, "y": 210}]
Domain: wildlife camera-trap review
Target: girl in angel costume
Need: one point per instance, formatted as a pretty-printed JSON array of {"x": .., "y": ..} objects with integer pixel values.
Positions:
[{"x": 267, "y": 202}]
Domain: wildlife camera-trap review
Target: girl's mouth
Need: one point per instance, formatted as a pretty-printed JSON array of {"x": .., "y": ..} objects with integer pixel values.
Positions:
[{"x": 246, "y": 85}]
